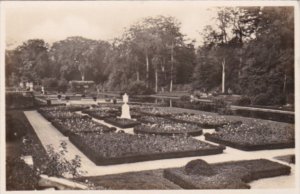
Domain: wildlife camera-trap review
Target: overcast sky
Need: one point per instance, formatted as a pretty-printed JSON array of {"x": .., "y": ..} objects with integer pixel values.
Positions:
[
  {"x": 53, "y": 21},
  {"x": 104, "y": 20}
]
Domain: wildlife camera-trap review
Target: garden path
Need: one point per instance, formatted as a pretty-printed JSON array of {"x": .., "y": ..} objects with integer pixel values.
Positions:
[{"x": 48, "y": 134}]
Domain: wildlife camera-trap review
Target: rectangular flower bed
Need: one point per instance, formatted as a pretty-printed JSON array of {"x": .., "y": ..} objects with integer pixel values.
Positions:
[
  {"x": 72, "y": 108},
  {"x": 118, "y": 148},
  {"x": 57, "y": 114},
  {"x": 101, "y": 114},
  {"x": 80, "y": 125},
  {"x": 227, "y": 175},
  {"x": 121, "y": 122},
  {"x": 162, "y": 126},
  {"x": 254, "y": 136},
  {"x": 205, "y": 121}
]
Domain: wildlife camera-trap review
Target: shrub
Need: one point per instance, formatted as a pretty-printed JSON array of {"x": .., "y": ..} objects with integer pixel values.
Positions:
[
  {"x": 59, "y": 96},
  {"x": 67, "y": 98},
  {"x": 14, "y": 127},
  {"x": 244, "y": 101},
  {"x": 199, "y": 167},
  {"x": 50, "y": 82},
  {"x": 138, "y": 88},
  {"x": 95, "y": 98},
  {"x": 185, "y": 98},
  {"x": 63, "y": 85}
]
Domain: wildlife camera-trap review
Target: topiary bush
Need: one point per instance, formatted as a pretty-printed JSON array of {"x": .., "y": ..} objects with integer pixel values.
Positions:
[{"x": 199, "y": 167}]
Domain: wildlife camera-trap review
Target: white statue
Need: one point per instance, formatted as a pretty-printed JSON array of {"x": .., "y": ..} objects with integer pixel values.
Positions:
[
  {"x": 125, "y": 108},
  {"x": 31, "y": 86}
]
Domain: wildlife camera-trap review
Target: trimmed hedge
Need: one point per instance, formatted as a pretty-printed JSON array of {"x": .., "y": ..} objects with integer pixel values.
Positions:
[{"x": 229, "y": 175}]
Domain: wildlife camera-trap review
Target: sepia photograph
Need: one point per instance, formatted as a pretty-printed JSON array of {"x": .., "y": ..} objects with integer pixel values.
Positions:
[{"x": 149, "y": 96}]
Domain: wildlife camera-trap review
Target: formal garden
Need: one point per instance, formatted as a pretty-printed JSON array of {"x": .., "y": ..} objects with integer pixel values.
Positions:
[{"x": 153, "y": 110}]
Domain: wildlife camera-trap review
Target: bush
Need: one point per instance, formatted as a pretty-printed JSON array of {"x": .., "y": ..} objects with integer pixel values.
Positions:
[
  {"x": 14, "y": 127},
  {"x": 59, "y": 96},
  {"x": 244, "y": 101},
  {"x": 62, "y": 85},
  {"x": 199, "y": 167},
  {"x": 185, "y": 98},
  {"x": 67, "y": 98},
  {"x": 50, "y": 82},
  {"x": 95, "y": 98},
  {"x": 138, "y": 88}
]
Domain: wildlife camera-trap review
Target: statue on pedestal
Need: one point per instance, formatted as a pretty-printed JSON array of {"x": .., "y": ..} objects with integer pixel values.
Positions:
[{"x": 125, "y": 108}]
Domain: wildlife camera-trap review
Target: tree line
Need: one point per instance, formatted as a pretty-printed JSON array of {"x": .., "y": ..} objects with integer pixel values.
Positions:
[{"x": 254, "y": 46}]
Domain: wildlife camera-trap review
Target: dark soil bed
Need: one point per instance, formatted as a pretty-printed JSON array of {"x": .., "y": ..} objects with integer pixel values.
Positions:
[
  {"x": 122, "y": 123},
  {"x": 118, "y": 148},
  {"x": 228, "y": 175}
]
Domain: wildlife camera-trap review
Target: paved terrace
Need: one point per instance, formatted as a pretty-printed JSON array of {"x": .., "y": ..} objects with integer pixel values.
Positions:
[{"x": 49, "y": 135}]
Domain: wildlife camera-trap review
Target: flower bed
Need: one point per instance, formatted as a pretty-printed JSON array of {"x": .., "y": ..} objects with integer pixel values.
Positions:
[
  {"x": 162, "y": 126},
  {"x": 156, "y": 111},
  {"x": 80, "y": 125},
  {"x": 51, "y": 115},
  {"x": 121, "y": 122},
  {"x": 254, "y": 136},
  {"x": 205, "y": 121},
  {"x": 118, "y": 148},
  {"x": 64, "y": 108},
  {"x": 227, "y": 175},
  {"x": 101, "y": 113}
]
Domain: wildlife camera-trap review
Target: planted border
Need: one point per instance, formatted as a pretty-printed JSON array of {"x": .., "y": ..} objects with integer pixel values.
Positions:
[
  {"x": 119, "y": 122},
  {"x": 191, "y": 133},
  {"x": 248, "y": 147},
  {"x": 226, "y": 178},
  {"x": 99, "y": 160}
]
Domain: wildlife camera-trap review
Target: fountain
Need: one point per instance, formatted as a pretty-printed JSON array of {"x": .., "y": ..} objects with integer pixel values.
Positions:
[{"x": 125, "y": 108}]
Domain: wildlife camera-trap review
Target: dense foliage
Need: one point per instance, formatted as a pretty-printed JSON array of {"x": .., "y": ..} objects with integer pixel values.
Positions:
[{"x": 254, "y": 46}]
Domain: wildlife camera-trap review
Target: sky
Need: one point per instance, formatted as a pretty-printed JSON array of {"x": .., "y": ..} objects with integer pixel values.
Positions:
[{"x": 98, "y": 20}]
